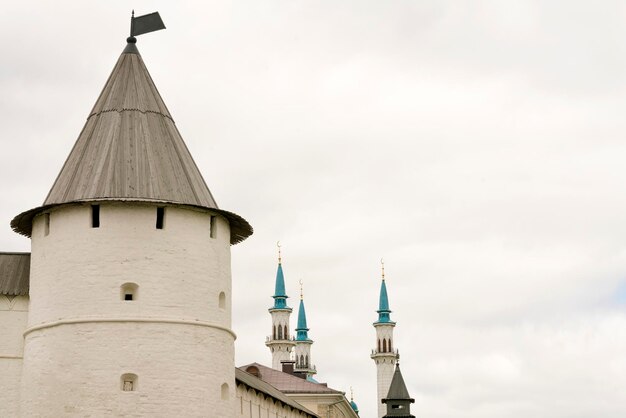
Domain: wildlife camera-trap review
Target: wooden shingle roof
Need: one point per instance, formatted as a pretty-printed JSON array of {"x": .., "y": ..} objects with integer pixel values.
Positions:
[
  {"x": 14, "y": 274},
  {"x": 131, "y": 150}
]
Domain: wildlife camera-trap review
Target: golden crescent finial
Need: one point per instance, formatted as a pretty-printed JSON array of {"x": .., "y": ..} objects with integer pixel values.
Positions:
[
  {"x": 301, "y": 292},
  {"x": 382, "y": 264},
  {"x": 351, "y": 394},
  {"x": 279, "y": 255}
]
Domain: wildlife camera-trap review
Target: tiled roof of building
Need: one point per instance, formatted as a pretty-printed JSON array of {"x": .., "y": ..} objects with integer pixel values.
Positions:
[
  {"x": 14, "y": 274},
  {"x": 288, "y": 383},
  {"x": 131, "y": 150},
  {"x": 262, "y": 386}
]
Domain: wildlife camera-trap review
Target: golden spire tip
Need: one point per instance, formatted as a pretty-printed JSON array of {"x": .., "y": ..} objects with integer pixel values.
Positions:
[
  {"x": 382, "y": 264},
  {"x": 279, "y": 255},
  {"x": 301, "y": 292}
]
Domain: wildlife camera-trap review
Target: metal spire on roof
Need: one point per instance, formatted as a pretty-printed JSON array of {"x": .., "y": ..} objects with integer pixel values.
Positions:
[
  {"x": 398, "y": 399},
  {"x": 383, "y": 300},
  {"x": 280, "y": 294},
  {"x": 302, "y": 330}
]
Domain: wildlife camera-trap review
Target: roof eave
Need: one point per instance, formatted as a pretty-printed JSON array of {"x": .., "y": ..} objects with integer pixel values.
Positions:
[{"x": 240, "y": 229}]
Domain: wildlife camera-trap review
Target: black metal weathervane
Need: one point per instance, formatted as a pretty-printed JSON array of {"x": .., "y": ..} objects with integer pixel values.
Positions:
[{"x": 144, "y": 24}]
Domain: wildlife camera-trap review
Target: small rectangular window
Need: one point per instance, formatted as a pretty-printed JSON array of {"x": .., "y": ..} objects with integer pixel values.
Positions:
[
  {"x": 128, "y": 296},
  {"x": 213, "y": 226},
  {"x": 160, "y": 218},
  {"x": 46, "y": 219},
  {"x": 95, "y": 216}
]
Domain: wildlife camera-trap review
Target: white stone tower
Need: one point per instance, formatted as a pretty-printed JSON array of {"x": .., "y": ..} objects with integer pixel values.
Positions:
[
  {"x": 279, "y": 342},
  {"x": 130, "y": 280},
  {"x": 304, "y": 363},
  {"x": 384, "y": 355}
]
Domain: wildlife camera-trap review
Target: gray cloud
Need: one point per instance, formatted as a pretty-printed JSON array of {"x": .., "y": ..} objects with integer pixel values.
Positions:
[{"x": 477, "y": 147}]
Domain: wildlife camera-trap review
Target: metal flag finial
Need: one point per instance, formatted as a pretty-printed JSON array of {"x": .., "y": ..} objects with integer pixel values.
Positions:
[
  {"x": 382, "y": 265},
  {"x": 301, "y": 292},
  {"x": 279, "y": 255},
  {"x": 144, "y": 24}
]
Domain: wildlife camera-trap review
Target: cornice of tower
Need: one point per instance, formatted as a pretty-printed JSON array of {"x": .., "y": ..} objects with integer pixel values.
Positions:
[{"x": 288, "y": 310}]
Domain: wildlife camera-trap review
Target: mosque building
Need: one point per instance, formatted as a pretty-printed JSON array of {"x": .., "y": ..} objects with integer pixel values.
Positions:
[{"x": 123, "y": 306}]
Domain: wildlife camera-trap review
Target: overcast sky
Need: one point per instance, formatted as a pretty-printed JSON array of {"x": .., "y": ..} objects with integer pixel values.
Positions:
[{"x": 478, "y": 147}]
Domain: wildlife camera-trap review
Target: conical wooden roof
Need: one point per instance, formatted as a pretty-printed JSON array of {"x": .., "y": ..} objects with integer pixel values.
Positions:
[{"x": 131, "y": 150}]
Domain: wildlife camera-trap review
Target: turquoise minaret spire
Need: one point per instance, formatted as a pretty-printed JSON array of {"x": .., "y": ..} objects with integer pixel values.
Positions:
[
  {"x": 303, "y": 343},
  {"x": 280, "y": 342},
  {"x": 383, "y": 301},
  {"x": 302, "y": 330},
  {"x": 280, "y": 296}
]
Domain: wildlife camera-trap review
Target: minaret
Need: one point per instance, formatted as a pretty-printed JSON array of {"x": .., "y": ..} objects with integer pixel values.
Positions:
[
  {"x": 130, "y": 277},
  {"x": 279, "y": 342},
  {"x": 304, "y": 363},
  {"x": 398, "y": 400},
  {"x": 384, "y": 354}
]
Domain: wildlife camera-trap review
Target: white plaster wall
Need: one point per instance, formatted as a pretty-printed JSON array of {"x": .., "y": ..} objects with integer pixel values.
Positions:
[
  {"x": 303, "y": 348},
  {"x": 384, "y": 374},
  {"x": 82, "y": 336},
  {"x": 325, "y": 405},
  {"x": 385, "y": 366},
  {"x": 280, "y": 351},
  {"x": 384, "y": 332},
  {"x": 252, "y": 404},
  {"x": 13, "y": 319},
  {"x": 281, "y": 317},
  {"x": 77, "y": 270}
]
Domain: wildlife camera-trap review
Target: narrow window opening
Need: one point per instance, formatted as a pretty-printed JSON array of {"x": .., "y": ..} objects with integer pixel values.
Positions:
[
  {"x": 160, "y": 218},
  {"x": 95, "y": 216},
  {"x": 225, "y": 391},
  {"x": 379, "y": 346},
  {"x": 213, "y": 226},
  {"x": 286, "y": 335},
  {"x": 129, "y": 382},
  {"x": 222, "y": 300},
  {"x": 46, "y": 218},
  {"x": 384, "y": 346},
  {"x": 280, "y": 332},
  {"x": 274, "y": 332},
  {"x": 129, "y": 291}
]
